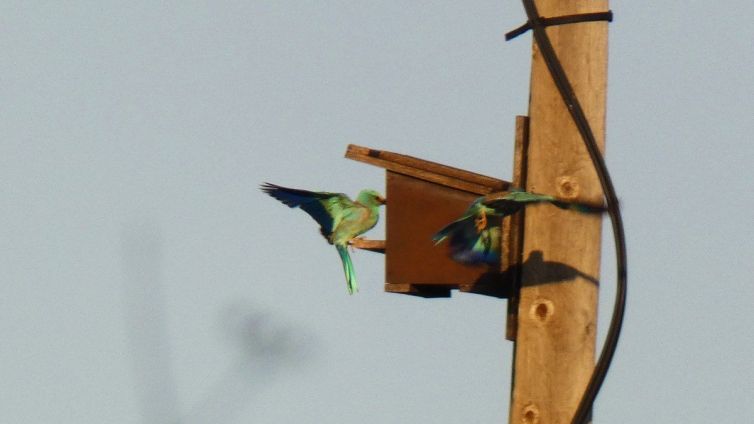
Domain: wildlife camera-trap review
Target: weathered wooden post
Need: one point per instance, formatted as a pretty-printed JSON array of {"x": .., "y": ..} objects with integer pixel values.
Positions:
[{"x": 557, "y": 321}]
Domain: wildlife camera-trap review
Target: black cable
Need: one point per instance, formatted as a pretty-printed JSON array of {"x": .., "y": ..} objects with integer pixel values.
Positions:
[
  {"x": 583, "y": 411},
  {"x": 563, "y": 20}
]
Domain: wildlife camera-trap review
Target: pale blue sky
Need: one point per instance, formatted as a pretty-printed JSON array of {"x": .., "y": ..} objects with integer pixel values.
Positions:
[{"x": 145, "y": 279}]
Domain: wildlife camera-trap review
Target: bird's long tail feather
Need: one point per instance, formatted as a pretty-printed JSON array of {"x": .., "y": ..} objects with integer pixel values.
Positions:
[{"x": 348, "y": 268}]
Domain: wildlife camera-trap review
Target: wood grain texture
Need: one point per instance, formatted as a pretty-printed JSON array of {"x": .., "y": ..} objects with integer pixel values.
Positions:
[
  {"x": 427, "y": 170},
  {"x": 557, "y": 318}
]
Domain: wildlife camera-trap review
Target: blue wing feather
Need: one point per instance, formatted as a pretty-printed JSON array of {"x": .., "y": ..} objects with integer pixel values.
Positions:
[
  {"x": 322, "y": 206},
  {"x": 469, "y": 246}
]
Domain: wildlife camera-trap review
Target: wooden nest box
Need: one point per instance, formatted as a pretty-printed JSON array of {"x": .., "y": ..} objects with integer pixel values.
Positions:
[{"x": 423, "y": 197}]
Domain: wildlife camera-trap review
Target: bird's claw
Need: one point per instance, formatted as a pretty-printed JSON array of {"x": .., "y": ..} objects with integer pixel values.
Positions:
[{"x": 354, "y": 241}]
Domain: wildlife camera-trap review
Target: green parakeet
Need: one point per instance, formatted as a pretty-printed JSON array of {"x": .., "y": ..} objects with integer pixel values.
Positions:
[
  {"x": 340, "y": 218},
  {"x": 474, "y": 238}
]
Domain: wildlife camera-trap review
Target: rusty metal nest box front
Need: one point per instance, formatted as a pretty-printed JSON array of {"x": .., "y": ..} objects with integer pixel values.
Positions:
[{"x": 422, "y": 198}]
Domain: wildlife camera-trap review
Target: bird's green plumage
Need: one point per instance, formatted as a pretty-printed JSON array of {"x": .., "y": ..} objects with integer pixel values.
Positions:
[
  {"x": 475, "y": 237},
  {"x": 351, "y": 283},
  {"x": 340, "y": 218}
]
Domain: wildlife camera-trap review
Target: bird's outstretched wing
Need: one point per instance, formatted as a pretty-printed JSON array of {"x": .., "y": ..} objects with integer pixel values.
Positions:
[
  {"x": 474, "y": 238},
  {"x": 579, "y": 207},
  {"x": 470, "y": 244},
  {"x": 506, "y": 203},
  {"x": 509, "y": 202},
  {"x": 326, "y": 208}
]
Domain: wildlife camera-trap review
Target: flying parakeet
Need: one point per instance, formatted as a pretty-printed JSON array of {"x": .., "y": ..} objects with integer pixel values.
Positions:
[
  {"x": 340, "y": 218},
  {"x": 474, "y": 238}
]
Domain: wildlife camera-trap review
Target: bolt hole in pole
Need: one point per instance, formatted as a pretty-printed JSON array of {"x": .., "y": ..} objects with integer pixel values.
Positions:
[
  {"x": 568, "y": 187},
  {"x": 542, "y": 310},
  {"x": 531, "y": 414}
]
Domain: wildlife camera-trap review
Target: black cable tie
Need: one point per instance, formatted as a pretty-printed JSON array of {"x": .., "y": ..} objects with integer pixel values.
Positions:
[{"x": 562, "y": 20}]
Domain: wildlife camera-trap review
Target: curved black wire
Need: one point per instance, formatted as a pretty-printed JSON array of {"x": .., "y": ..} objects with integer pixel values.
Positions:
[{"x": 583, "y": 411}]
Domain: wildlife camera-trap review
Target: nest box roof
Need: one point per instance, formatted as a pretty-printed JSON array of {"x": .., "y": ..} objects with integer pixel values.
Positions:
[{"x": 428, "y": 171}]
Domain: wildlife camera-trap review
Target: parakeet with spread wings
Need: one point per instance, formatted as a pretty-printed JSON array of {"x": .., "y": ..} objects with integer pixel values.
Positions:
[
  {"x": 340, "y": 218},
  {"x": 474, "y": 238}
]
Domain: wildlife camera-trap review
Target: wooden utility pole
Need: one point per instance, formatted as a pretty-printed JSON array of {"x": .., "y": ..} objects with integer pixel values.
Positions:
[{"x": 557, "y": 312}]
